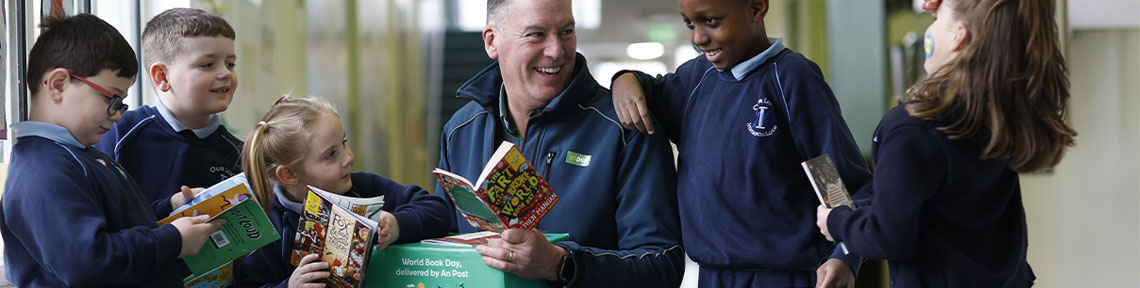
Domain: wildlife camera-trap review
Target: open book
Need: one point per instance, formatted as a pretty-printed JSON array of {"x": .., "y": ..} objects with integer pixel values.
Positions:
[
  {"x": 341, "y": 237},
  {"x": 827, "y": 184},
  {"x": 247, "y": 227},
  {"x": 509, "y": 193}
]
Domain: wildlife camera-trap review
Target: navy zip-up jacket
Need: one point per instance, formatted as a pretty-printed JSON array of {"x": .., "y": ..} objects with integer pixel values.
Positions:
[
  {"x": 162, "y": 160},
  {"x": 420, "y": 214},
  {"x": 940, "y": 216},
  {"x": 741, "y": 135},
  {"x": 617, "y": 198},
  {"x": 71, "y": 217}
]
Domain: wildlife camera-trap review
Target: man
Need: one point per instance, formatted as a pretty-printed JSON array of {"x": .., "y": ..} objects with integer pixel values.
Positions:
[{"x": 617, "y": 188}]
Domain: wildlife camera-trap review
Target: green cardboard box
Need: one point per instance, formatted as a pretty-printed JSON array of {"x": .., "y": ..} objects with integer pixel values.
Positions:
[{"x": 418, "y": 265}]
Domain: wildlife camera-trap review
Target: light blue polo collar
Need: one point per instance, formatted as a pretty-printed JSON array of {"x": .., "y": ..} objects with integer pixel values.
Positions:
[
  {"x": 279, "y": 191},
  {"x": 46, "y": 130},
  {"x": 742, "y": 69},
  {"x": 202, "y": 133}
]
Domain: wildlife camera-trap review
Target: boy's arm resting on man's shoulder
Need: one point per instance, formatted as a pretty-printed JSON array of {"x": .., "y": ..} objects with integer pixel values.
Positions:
[
  {"x": 649, "y": 251},
  {"x": 64, "y": 227}
]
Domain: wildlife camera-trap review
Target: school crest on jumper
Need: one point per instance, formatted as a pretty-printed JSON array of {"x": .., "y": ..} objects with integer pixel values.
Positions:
[{"x": 762, "y": 124}]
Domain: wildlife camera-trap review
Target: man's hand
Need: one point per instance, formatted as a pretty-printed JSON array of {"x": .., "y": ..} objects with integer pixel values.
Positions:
[
  {"x": 195, "y": 231},
  {"x": 187, "y": 193},
  {"x": 629, "y": 103},
  {"x": 821, "y": 214},
  {"x": 308, "y": 271},
  {"x": 525, "y": 253},
  {"x": 834, "y": 274},
  {"x": 389, "y": 230}
]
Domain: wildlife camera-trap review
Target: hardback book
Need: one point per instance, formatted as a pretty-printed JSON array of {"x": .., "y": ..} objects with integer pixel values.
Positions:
[
  {"x": 341, "y": 237},
  {"x": 247, "y": 227},
  {"x": 509, "y": 193},
  {"x": 827, "y": 184},
  {"x": 465, "y": 240}
]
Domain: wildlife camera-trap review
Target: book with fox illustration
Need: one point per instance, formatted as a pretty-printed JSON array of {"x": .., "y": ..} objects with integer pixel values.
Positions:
[
  {"x": 509, "y": 193},
  {"x": 341, "y": 237},
  {"x": 247, "y": 226}
]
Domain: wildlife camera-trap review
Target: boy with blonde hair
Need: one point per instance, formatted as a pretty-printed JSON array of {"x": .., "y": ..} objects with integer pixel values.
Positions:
[
  {"x": 70, "y": 215},
  {"x": 189, "y": 54}
]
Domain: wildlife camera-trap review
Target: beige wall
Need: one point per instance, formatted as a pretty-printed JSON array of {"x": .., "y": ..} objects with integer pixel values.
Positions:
[{"x": 1084, "y": 225}]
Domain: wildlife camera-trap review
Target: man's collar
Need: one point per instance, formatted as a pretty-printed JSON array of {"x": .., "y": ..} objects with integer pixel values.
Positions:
[
  {"x": 741, "y": 70},
  {"x": 201, "y": 133},
  {"x": 46, "y": 130}
]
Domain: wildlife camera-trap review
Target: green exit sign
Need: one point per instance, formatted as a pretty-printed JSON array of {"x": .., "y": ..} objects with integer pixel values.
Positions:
[{"x": 661, "y": 33}]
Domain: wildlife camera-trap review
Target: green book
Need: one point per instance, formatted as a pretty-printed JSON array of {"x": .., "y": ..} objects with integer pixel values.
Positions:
[{"x": 247, "y": 227}]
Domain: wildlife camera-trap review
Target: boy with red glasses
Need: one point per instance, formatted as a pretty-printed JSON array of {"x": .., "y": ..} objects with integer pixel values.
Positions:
[
  {"x": 189, "y": 55},
  {"x": 71, "y": 215}
]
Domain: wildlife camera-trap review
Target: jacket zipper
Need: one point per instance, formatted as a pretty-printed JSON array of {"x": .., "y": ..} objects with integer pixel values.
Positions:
[{"x": 549, "y": 162}]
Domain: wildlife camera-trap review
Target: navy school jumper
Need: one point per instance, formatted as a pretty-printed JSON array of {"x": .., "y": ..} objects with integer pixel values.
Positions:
[
  {"x": 71, "y": 216},
  {"x": 746, "y": 204},
  {"x": 420, "y": 215},
  {"x": 162, "y": 160},
  {"x": 940, "y": 216}
]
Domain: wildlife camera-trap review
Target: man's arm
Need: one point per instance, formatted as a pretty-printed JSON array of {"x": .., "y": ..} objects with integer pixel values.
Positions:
[{"x": 648, "y": 222}]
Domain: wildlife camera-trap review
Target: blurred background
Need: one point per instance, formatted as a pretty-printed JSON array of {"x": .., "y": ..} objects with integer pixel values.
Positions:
[{"x": 392, "y": 66}]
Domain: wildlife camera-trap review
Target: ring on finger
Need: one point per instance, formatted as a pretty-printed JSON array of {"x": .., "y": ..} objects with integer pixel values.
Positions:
[{"x": 510, "y": 256}]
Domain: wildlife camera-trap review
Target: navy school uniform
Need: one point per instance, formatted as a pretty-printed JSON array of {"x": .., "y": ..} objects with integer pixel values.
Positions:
[
  {"x": 420, "y": 214},
  {"x": 747, "y": 208},
  {"x": 162, "y": 154},
  {"x": 71, "y": 216},
  {"x": 940, "y": 216}
]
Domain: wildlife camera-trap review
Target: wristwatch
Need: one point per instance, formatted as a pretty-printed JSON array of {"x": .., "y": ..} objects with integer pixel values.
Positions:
[{"x": 565, "y": 269}]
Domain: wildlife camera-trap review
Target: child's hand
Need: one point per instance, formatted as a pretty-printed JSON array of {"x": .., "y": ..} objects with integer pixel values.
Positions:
[
  {"x": 629, "y": 102},
  {"x": 195, "y": 231},
  {"x": 834, "y": 273},
  {"x": 931, "y": 5},
  {"x": 389, "y": 230},
  {"x": 179, "y": 199},
  {"x": 308, "y": 271},
  {"x": 821, "y": 214}
]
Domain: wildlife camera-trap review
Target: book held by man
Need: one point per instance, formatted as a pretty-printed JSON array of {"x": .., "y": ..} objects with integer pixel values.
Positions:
[
  {"x": 247, "y": 227},
  {"x": 509, "y": 193},
  {"x": 341, "y": 237},
  {"x": 828, "y": 185}
]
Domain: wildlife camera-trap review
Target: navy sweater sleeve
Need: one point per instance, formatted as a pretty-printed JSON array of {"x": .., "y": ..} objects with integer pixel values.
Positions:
[
  {"x": 817, "y": 127},
  {"x": 420, "y": 214},
  {"x": 649, "y": 252},
  {"x": 888, "y": 229},
  {"x": 62, "y": 225}
]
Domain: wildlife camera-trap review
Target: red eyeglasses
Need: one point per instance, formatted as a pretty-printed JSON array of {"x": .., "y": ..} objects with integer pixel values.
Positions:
[{"x": 116, "y": 100}]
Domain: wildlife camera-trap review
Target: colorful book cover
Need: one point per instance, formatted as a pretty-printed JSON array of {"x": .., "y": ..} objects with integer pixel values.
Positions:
[
  {"x": 510, "y": 193},
  {"x": 341, "y": 237},
  {"x": 247, "y": 227},
  {"x": 220, "y": 277}
]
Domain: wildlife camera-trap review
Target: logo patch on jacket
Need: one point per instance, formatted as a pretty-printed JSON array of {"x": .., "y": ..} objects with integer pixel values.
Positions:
[{"x": 762, "y": 124}]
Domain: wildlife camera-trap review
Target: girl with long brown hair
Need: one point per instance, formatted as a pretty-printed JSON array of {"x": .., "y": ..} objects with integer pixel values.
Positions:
[{"x": 946, "y": 208}]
